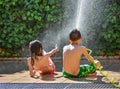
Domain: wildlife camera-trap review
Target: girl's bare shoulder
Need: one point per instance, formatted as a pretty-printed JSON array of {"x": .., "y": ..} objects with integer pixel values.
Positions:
[{"x": 29, "y": 59}]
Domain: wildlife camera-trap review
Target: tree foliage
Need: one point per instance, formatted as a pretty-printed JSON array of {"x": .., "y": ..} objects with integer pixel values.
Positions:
[
  {"x": 22, "y": 20},
  {"x": 110, "y": 35}
]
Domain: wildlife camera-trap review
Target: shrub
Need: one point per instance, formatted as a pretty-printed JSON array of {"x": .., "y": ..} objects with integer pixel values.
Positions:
[
  {"x": 110, "y": 35},
  {"x": 23, "y": 20}
]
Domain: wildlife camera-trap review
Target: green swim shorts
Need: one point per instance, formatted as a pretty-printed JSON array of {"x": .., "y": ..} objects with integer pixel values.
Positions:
[{"x": 84, "y": 71}]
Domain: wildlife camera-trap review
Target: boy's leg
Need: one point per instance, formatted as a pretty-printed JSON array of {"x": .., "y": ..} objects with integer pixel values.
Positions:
[
  {"x": 92, "y": 72},
  {"x": 67, "y": 75},
  {"x": 87, "y": 70},
  {"x": 92, "y": 75}
]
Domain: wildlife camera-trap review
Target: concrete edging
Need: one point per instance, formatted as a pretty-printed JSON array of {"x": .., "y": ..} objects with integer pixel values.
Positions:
[{"x": 25, "y": 58}]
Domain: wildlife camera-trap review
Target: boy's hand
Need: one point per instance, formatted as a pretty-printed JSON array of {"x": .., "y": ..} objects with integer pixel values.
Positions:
[{"x": 98, "y": 64}]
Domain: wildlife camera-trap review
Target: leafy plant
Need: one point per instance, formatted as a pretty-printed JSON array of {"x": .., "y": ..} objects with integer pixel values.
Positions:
[
  {"x": 23, "y": 20},
  {"x": 111, "y": 29}
]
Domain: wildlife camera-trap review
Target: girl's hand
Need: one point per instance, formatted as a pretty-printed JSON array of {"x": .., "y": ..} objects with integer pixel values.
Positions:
[
  {"x": 56, "y": 47},
  {"x": 53, "y": 51}
]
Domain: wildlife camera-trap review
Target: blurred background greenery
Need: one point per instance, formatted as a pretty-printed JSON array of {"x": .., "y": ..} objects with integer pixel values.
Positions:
[{"x": 24, "y": 20}]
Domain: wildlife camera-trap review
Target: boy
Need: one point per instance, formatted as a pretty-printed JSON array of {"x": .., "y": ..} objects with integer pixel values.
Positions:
[{"x": 71, "y": 58}]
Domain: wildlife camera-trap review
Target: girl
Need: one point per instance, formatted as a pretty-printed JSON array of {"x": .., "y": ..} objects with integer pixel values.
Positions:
[{"x": 40, "y": 60}]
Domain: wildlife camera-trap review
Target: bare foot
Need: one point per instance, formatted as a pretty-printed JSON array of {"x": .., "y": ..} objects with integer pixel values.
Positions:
[
  {"x": 92, "y": 75},
  {"x": 55, "y": 73}
]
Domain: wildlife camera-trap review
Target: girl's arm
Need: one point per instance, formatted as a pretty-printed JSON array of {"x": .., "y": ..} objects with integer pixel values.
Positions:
[
  {"x": 32, "y": 72},
  {"x": 52, "y": 51}
]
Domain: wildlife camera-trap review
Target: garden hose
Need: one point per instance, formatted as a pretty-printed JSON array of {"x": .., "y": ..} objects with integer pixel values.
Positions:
[{"x": 105, "y": 75}]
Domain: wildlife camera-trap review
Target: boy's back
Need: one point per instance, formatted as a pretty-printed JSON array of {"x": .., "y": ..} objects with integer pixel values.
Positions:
[{"x": 71, "y": 58}]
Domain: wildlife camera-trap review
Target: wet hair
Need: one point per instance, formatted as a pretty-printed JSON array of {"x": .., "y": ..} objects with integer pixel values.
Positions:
[
  {"x": 35, "y": 47},
  {"x": 75, "y": 35}
]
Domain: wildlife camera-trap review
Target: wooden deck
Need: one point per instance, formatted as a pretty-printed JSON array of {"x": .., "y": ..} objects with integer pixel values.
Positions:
[{"x": 21, "y": 76}]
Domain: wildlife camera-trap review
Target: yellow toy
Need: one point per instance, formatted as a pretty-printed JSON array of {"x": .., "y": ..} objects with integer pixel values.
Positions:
[{"x": 105, "y": 75}]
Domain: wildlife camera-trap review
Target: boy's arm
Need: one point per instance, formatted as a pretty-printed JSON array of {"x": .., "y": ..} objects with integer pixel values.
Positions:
[
  {"x": 32, "y": 72},
  {"x": 90, "y": 58}
]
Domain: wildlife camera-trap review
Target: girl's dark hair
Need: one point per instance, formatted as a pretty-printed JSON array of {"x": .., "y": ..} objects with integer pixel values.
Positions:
[
  {"x": 35, "y": 49},
  {"x": 75, "y": 35}
]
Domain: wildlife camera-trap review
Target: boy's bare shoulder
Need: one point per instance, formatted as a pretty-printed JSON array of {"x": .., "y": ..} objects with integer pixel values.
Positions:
[
  {"x": 83, "y": 47},
  {"x": 66, "y": 47}
]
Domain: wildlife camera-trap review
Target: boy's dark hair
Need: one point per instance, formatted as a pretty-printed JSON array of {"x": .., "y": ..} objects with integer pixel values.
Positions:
[
  {"x": 75, "y": 35},
  {"x": 35, "y": 47}
]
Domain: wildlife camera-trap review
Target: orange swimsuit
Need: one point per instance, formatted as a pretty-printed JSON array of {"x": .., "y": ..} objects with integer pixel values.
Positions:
[{"x": 49, "y": 64}]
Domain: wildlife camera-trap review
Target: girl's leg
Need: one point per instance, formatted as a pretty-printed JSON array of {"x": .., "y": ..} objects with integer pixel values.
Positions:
[{"x": 52, "y": 65}]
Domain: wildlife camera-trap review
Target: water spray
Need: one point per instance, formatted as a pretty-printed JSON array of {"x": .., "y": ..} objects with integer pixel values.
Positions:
[{"x": 104, "y": 75}]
